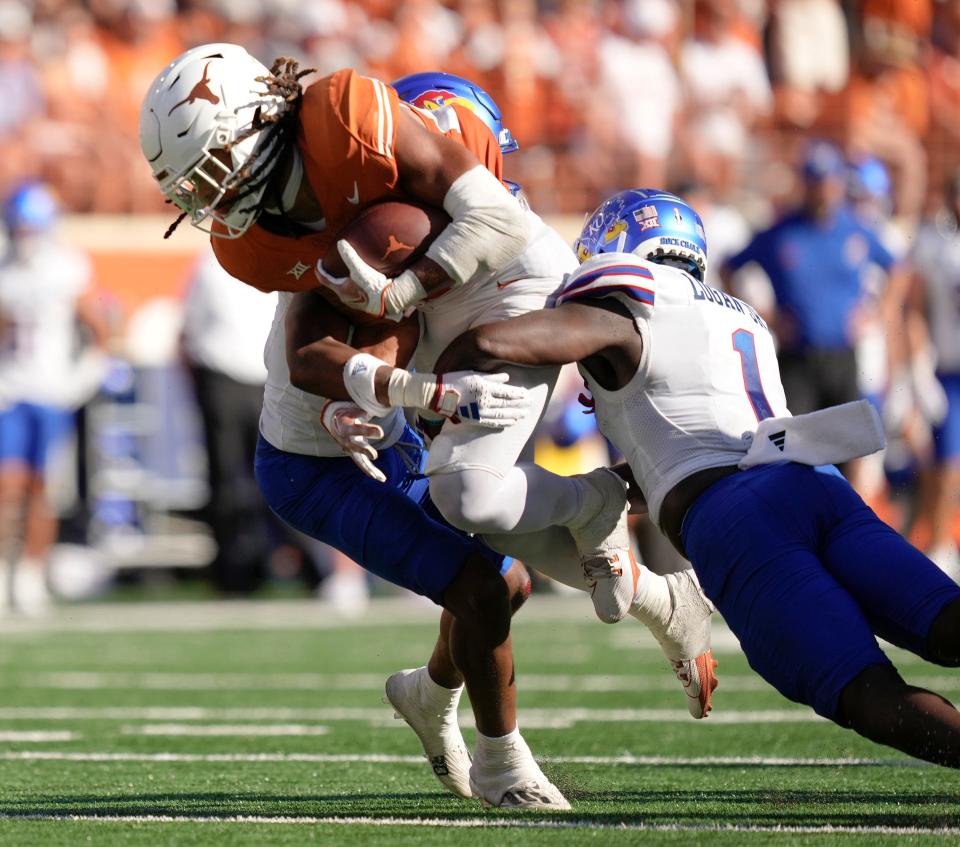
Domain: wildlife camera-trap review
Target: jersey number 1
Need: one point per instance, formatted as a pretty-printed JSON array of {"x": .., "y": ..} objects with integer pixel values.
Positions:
[{"x": 744, "y": 344}]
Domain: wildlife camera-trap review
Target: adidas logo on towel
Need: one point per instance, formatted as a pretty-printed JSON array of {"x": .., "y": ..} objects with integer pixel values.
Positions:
[{"x": 778, "y": 439}]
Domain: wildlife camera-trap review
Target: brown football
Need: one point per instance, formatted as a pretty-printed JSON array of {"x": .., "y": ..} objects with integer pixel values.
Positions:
[{"x": 389, "y": 236}]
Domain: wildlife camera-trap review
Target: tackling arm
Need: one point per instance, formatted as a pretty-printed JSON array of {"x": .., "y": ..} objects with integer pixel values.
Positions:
[
  {"x": 601, "y": 335},
  {"x": 327, "y": 356}
]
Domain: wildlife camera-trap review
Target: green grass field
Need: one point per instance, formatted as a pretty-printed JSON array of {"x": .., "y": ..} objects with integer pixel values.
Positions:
[{"x": 262, "y": 723}]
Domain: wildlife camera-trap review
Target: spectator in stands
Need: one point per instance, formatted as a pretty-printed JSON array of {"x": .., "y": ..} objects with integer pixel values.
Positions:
[
  {"x": 44, "y": 293},
  {"x": 809, "y": 54},
  {"x": 936, "y": 295},
  {"x": 943, "y": 78},
  {"x": 884, "y": 109},
  {"x": 816, "y": 258},
  {"x": 633, "y": 125},
  {"x": 728, "y": 93},
  {"x": 20, "y": 92}
]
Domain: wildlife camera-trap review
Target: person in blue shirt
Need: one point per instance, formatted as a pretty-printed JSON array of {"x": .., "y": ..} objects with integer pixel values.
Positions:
[{"x": 816, "y": 258}]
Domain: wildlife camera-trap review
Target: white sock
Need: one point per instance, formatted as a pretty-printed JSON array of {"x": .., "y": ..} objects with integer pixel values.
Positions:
[
  {"x": 651, "y": 604},
  {"x": 437, "y": 694},
  {"x": 501, "y": 751}
]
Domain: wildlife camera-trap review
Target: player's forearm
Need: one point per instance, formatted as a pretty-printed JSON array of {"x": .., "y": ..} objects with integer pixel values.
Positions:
[
  {"x": 537, "y": 339},
  {"x": 317, "y": 368}
]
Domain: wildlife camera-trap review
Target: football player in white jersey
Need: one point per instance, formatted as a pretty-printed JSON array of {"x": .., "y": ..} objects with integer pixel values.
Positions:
[
  {"x": 803, "y": 571},
  {"x": 44, "y": 295},
  {"x": 936, "y": 303}
]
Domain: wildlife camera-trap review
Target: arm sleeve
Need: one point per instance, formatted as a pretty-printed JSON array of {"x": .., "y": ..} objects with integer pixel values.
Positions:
[
  {"x": 753, "y": 252},
  {"x": 488, "y": 227}
]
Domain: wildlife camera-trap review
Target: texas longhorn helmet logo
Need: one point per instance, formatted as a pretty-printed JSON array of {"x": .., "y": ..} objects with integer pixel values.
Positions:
[{"x": 201, "y": 91}]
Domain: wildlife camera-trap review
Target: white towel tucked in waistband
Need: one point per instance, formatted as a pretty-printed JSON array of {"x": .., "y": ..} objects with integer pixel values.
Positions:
[{"x": 826, "y": 437}]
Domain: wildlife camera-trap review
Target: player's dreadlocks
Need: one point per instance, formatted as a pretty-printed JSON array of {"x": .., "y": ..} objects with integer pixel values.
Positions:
[{"x": 279, "y": 130}]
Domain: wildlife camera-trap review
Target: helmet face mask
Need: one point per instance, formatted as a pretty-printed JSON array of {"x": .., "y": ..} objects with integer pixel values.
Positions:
[
  {"x": 652, "y": 224},
  {"x": 197, "y": 131}
]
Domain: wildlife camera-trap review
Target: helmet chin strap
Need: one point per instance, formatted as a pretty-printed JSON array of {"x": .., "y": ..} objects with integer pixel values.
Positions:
[{"x": 292, "y": 186}]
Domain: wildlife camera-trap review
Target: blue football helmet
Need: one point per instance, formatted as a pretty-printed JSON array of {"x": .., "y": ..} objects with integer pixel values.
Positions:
[
  {"x": 433, "y": 89},
  {"x": 31, "y": 207},
  {"x": 650, "y": 223}
]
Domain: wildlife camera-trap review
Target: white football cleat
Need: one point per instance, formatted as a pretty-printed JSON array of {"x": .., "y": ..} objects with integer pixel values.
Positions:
[
  {"x": 699, "y": 682},
  {"x": 29, "y": 593},
  {"x": 435, "y": 725},
  {"x": 613, "y": 583},
  {"x": 603, "y": 541},
  {"x": 513, "y": 780}
]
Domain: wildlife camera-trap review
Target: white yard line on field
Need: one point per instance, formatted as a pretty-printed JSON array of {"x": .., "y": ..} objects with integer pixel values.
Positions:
[
  {"x": 250, "y": 615},
  {"x": 224, "y": 729},
  {"x": 590, "y": 683},
  {"x": 498, "y": 823},
  {"x": 9, "y": 735},
  {"x": 562, "y": 718},
  {"x": 389, "y": 758}
]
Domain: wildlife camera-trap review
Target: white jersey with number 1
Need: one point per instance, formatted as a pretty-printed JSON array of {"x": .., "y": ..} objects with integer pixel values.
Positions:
[{"x": 707, "y": 376}]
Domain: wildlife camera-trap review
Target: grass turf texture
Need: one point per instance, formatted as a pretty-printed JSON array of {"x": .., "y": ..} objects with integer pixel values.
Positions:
[{"x": 134, "y": 690}]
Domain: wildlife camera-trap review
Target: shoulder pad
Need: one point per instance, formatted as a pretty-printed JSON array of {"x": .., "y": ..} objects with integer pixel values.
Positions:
[{"x": 608, "y": 275}]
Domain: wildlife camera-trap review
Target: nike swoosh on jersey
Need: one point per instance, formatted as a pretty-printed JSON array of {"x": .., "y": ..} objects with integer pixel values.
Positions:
[
  {"x": 510, "y": 282},
  {"x": 355, "y": 199}
]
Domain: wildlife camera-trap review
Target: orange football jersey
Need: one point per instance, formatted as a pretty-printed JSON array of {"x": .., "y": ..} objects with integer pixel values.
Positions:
[{"x": 348, "y": 129}]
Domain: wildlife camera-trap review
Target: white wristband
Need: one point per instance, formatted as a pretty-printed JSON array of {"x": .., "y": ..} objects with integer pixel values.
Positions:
[
  {"x": 421, "y": 391},
  {"x": 405, "y": 291},
  {"x": 358, "y": 378}
]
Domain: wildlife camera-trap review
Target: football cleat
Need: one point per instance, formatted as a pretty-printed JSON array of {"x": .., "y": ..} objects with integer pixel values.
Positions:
[
  {"x": 699, "y": 682},
  {"x": 685, "y": 634},
  {"x": 29, "y": 593},
  {"x": 603, "y": 540},
  {"x": 513, "y": 780},
  {"x": 435, "y": 725},
  {"x": 613, "y": 583}
]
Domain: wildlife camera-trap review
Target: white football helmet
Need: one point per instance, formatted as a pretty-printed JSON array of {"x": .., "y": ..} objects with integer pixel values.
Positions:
[{"x": 200, "y": 103}]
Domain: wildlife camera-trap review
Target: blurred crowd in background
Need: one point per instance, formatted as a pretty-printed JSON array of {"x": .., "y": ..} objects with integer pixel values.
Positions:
[{"x": 818, "y": 139}]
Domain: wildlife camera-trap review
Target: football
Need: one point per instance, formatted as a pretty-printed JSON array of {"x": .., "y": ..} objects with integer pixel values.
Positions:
[{"x": 389, "y": 236}]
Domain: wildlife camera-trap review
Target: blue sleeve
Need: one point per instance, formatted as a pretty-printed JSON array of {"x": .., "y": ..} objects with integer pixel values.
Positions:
[
  {"x": 879, "y": 255},
  {"x": 757, "y": 250}
]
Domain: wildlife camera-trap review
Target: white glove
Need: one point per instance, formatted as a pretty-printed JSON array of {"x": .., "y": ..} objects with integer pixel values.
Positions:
[
  {"x": 367, "y": 290},
  {"x": 463, "y": 396},
  {"x": 348, "y": 425}
]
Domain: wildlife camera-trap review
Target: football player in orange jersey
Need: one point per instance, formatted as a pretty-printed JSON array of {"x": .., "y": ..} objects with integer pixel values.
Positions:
[
  {"x": 274, "y": 172},
  {"x": 209, "y": 130}
]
